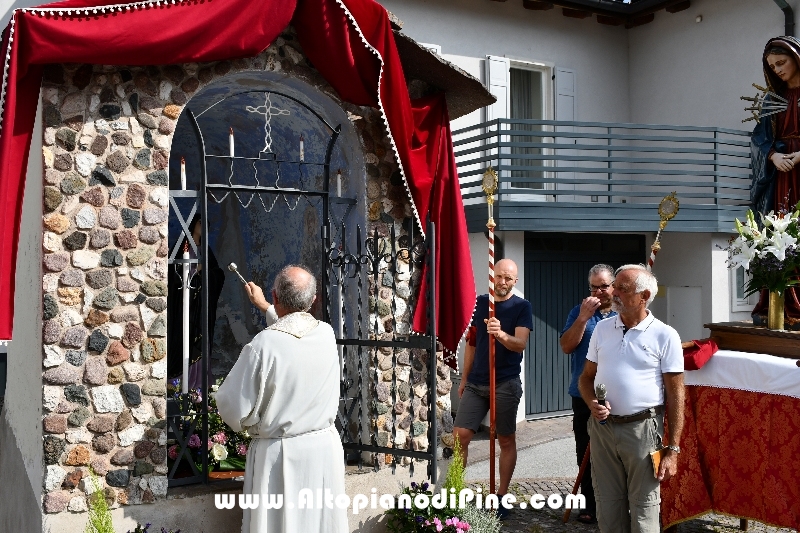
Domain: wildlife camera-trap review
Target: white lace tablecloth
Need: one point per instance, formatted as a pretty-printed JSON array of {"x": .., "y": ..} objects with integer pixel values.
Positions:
[{"x": 755, "y": 372}]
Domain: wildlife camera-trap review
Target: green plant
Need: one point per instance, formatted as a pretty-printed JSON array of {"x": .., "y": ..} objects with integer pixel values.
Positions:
[
  {"x": 456, "y": 470},
  {"x": 100, "y": 520},
  {"x": 480, "y": 520}
]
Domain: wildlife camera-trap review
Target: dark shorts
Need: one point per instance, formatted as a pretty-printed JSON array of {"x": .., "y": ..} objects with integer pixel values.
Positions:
[{"x": 475, "y": 404}]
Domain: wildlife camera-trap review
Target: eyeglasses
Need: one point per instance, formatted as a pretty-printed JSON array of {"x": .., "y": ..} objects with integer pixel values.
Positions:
[{"x": 595, "y": 288}]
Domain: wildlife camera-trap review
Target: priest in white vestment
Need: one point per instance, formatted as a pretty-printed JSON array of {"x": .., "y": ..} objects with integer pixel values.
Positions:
[{"x": 284, "y": 390}]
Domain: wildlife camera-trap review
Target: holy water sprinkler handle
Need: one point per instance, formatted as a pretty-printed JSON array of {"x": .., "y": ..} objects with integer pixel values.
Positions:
[
  {"x": 233, "y": 268},
  {"x": 600, "y": 392}
]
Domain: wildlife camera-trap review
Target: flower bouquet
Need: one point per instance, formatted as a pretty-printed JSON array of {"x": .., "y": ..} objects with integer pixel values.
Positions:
[
  {"x": 226, "y": 449},
  {"x": 770, "y": 254}
]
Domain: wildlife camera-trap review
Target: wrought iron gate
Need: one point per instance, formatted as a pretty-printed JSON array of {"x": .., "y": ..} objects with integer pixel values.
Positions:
[
  {"x": 186, "y": 415},
  {"x": 360, "y": 277},
  {"x": 384, "y": 366}
]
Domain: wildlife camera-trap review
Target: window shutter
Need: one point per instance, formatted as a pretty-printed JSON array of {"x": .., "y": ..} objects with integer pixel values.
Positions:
[{"x": 498, "y": 82}]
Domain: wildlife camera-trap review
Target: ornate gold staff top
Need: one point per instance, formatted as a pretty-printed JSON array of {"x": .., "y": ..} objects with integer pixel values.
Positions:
[
  {"x": 489, "y": 186},
  {"x": 667, "y": 209}
]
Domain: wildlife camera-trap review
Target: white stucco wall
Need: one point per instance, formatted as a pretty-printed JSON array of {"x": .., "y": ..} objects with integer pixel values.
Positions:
[
  {"x": 690, "y": 73},
  {"x": 477, "y": 28},
  {"x": 693, "y": 262},
  {"x": 21, "y": 452}
]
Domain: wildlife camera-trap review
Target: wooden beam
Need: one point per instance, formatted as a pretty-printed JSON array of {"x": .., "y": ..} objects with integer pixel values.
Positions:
[
  {"x": 638, "y": 21},
  {"x": 536, "y": 5},
  {"x": 674, "y": 8},
  {"x": 576, "y": 13},
  {"x": 610, "y": 21}
]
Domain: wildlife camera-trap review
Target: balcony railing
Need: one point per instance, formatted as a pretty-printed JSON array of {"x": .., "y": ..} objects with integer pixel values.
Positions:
[{"x": 595, "y": 176}]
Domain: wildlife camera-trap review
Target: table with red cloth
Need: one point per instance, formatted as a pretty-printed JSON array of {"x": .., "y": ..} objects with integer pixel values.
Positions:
[{"x": 740, "y": 448}]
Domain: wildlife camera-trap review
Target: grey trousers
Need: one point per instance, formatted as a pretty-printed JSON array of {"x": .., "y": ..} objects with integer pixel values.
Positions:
[{"x": 627, "y": 493}]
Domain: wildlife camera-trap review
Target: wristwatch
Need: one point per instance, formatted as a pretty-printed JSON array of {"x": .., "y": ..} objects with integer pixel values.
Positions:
[{"x": 676, "y": 449}]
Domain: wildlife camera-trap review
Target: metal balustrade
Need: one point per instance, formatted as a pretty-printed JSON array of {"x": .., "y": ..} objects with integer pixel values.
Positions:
[{"x": 596, "y": 176}]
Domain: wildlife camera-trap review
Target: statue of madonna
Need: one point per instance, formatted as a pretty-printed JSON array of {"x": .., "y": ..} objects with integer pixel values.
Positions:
[
  {"x": 775, "y": 144},
  {"x": 775, "y": 154}
]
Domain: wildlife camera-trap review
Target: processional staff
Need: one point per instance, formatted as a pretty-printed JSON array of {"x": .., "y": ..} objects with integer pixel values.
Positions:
[
  {"x": 489, "y": 185},
  {"x": 667, "y": 209}
]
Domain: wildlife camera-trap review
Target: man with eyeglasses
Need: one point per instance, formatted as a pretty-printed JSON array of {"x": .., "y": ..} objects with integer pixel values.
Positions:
[
  {"x": 575, "y": 339},
  {"x": 640, "y": 361}
]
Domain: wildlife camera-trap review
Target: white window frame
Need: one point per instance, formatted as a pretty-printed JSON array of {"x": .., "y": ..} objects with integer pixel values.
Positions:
[
  {"x": 548, "y": 106},
  {"x": 739, "y": 305}
]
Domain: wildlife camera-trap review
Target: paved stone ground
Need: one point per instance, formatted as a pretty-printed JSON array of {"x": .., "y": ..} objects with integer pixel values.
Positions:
[
  {"x": 539, "y": 432},
  {"x": 547, "y": 520}
]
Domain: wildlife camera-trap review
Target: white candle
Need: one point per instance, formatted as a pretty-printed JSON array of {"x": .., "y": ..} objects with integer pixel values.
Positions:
[
  {"x": 302, "y": 149},
  {"x": 186, "y": 340},
  {"x": 183, "y": 174},
  {"x": 230, "y": 142},
  {"x": 340, "y": 329}
]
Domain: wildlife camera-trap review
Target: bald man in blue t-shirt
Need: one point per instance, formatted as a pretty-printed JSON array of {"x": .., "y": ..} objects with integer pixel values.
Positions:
[{"x": 511, "y": 327}]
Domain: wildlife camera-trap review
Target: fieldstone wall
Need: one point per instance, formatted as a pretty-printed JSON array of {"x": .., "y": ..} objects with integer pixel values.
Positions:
[{"x": 107, "y": 138}]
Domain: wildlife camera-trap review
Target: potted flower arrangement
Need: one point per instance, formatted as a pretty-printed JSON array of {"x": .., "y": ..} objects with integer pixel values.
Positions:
[
  {"x": 770, "y": 254},
  {"x": 226, "y": 449}
]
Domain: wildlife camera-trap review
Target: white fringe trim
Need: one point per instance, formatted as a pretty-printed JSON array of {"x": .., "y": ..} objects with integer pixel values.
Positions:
[
  {"x": 61, "y": 12},
  {"x": 383, "y": 115},
  {"x": 99, "y": 10},
  {"x": 6, "y": 66}
]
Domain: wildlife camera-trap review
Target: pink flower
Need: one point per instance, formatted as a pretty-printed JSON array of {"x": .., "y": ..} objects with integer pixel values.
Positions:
[
  {"x": 210, "y": 444},
  {"x": 220, "y": 438},
  {"x": 173, "y": 452},
  {"x": 241, "y": 449},
  {"x": 194, "y": 441}
]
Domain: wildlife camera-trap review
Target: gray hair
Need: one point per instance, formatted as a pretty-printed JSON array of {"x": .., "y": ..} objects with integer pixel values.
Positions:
[
  {"x": 293, "y": 294},
  {"x": 645, "y": 280},
  {"x": 599, "y": 269}
]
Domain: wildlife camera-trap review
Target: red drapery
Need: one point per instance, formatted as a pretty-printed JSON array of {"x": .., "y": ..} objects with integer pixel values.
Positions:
[
  {"x": 349, "y": 41},
  {"x": 738, "y": 457}
]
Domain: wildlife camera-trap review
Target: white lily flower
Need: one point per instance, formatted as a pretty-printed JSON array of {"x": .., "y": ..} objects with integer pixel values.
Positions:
[
  {"x": 780, "y": 225},
  {"x": 744, "y": 253},
  {"x": 780, "y": 243}
]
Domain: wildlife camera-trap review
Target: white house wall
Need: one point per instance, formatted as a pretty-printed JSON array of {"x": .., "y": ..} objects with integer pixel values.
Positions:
[
  {"x": 690, "y": 73},
  {"x": 694, "y": 261},
  {"x": 20, "y": 423},
  {"x": 477, "y": 28}
]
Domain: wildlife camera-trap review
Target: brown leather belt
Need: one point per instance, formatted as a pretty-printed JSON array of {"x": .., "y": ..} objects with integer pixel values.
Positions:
[{"x": 636, "y": 417}]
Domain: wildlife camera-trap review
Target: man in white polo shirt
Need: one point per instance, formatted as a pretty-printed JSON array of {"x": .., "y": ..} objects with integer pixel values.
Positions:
[{"x": 640, "y": 361}]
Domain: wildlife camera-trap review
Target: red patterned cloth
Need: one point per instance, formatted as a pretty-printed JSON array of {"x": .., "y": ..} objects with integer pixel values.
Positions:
[
  {"x": 349, "y": 41},
  {"x": 739, "y": 456}
]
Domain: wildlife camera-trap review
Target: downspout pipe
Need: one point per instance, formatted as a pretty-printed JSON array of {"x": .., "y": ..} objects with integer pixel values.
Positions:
[{"x": 788, "y": 14}]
